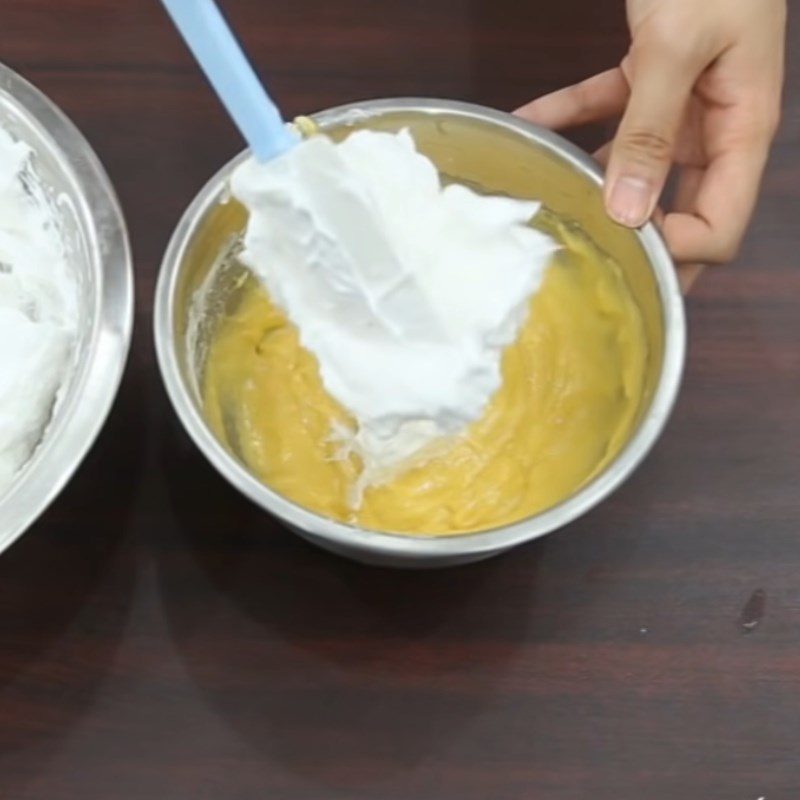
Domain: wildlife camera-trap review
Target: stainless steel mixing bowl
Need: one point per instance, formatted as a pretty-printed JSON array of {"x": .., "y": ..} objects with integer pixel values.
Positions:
[
  {"x": 92, "y": 222},
  {"x": 502, "y": 154}
]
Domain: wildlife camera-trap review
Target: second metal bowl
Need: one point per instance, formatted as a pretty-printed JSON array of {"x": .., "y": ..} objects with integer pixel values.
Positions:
[{"x": 472, "y": 144}]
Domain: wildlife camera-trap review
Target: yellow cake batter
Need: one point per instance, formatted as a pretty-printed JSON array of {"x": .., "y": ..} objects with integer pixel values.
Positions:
[{"x": 571, "y": 389}]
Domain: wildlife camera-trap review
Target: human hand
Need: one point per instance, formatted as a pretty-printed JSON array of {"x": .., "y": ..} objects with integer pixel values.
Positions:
[{"x": 700, "y": 88}]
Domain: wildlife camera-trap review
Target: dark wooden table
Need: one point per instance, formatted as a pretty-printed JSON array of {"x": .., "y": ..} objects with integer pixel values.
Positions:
[{"x": 160, "y": 638}]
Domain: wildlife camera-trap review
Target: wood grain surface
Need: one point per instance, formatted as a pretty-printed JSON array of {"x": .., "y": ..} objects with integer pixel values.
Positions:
[{"x": 160, "y": 638}]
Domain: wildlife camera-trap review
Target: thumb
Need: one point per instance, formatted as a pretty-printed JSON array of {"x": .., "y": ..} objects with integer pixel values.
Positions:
[{"x": 641, "y": 155}]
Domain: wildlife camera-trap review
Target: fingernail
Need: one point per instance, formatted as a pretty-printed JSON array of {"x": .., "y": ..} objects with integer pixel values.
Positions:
[{"x": 629, "y": 202}]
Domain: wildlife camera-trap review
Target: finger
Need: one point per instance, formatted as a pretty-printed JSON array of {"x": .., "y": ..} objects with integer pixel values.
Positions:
[
  {"x": 688, "y": 274},
  {"x": 710, "y": 230},
  {"x": 643, "y": 149},
  {"x": 598, "y": 97},
  {"x": 689, "y": 182},
  {"x": 690, "y": 147},
  {"x": 602, "y": 154}
]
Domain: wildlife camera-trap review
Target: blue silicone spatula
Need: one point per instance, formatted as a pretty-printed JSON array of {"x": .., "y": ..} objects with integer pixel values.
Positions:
[
  {"x": 347, "y": 216},
  {"x": 224, "y": 63}
]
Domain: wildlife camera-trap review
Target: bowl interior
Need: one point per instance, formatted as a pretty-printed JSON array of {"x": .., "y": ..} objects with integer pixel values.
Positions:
[
  {"x": 477, "y": 152},
  {"x": 66, "y": 203},
  {"x": 469, "y": 145},
  {"x": 92, "y": 228}
]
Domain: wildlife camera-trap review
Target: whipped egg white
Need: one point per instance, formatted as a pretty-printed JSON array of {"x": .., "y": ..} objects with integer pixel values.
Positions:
[
  {"x": 405, "y": 289},
  {"x": 38, "y": 308}
]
